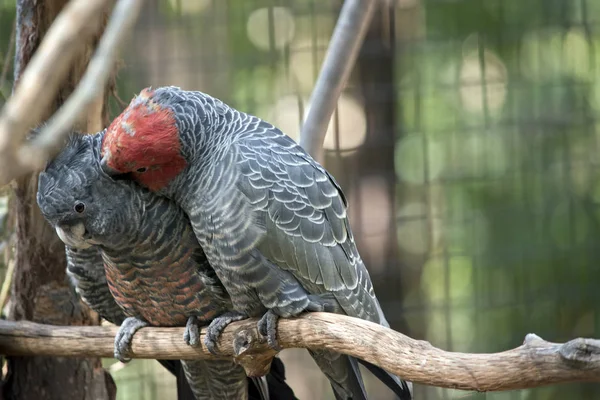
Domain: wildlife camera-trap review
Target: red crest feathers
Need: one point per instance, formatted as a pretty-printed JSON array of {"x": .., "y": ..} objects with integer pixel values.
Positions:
[{"x": 145, "y": 135}]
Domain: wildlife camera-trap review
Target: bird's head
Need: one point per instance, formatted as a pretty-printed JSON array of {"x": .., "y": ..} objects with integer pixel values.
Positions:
[
  {"x": 83, "y": 205},
  {"x": 144, "y": 142},
  {"x": 64, "y": 192}
]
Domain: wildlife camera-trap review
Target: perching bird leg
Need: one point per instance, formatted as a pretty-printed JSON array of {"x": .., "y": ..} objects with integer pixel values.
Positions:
[
  {"x": 267, "y": 325},
  {"x": 191, "y": 335},
  {"x": 124, "y": 336},
  {"x": 217, "y": 326}
]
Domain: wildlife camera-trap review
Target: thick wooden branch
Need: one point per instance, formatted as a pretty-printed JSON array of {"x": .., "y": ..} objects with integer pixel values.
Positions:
[
  {"x": 76, "y": 26},
  {"x": 92, "y": 85},
  {"x": 347, "y": 38},
  {"x": 535, "y": 363}
]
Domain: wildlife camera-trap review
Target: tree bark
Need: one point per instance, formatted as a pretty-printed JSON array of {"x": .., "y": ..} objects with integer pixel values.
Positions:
[
  {"x": 533, "y": 364},
  {"x": 40, "y": 289}
]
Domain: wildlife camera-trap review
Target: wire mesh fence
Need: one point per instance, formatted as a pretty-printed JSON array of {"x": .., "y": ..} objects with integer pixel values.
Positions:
[{"x": 467, "y": 144}]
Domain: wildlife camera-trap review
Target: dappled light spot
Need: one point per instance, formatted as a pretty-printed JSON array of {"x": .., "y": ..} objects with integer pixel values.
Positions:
[
  {"x": 458, "y": 270},
  {"x": 479, "y": 91},
  {"x": 413, "y": 230},
  {"x": 190, "y": 6},
  {"x": 306, "y": 57},
  {"x": 416, "y": 165},
  {"x": 347, "y": 128},
  {"x": 541, "y": 56},
  {"x": 271, "y": 27}
]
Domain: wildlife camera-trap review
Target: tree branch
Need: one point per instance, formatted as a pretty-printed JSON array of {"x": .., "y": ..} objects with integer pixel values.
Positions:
[
  {"x": 76, "y": 25},
  {"x": 92, "y": 84},
  {"x": 347, "y": 38},
  {"x": 535, "y": 363}
]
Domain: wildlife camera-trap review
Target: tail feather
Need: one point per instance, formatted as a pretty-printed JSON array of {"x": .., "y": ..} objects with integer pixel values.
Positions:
[
  {"x": 261, "y": 385},
  {"x": 343, "y": 374},
  {"x": 278, "y": 389},
  {"x": 401, "y": 388},
  {"x": 271, "y": 387}
]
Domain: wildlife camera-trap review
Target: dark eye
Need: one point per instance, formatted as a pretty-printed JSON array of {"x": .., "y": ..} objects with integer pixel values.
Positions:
[
  {"x": 143, "y": 169},
  {"x": 79, "y": 207}
]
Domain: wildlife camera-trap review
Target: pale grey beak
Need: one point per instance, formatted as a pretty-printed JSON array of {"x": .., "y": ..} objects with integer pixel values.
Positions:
[{"x": 73, "y": 235}]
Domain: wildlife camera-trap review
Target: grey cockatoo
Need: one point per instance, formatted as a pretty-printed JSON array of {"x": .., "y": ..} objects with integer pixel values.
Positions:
[
  {"x": 85, "y": 267},
  {"x": 271, "y": 220},
  {"x": 154, "y": 268}
]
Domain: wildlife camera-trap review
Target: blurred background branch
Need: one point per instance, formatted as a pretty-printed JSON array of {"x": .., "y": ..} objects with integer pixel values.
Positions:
[
  {"x": 339, "y": 61},
  {"x": 535, "y": 363},
  {"x": 74, "y": 27},
  {"x": 47, "y": 143}
]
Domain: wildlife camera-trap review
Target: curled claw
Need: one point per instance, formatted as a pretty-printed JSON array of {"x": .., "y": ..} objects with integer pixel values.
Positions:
[
  {"x": 191, "y": 335},
  {"x": 216, "y": 327},
  {"x": 267, "y": 326},
  {"x": 124, "y": 336}
]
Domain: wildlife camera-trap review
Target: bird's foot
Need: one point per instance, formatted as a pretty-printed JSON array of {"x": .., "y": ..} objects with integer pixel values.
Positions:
[
  {"x": 191, "y": 335},
  {"x": 216, "y": 327},
  {"x": 124, "y": 336},
  {"x": 267, "y": 326}
]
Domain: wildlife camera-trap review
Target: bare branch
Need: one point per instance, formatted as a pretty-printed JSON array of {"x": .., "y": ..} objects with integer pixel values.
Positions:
[
  {"x": 92, "y": 84},
  {"x": 77, "y": 24},
  {"x": 79, "y": 21},
  {"x": 535, "y": 363},
  {"x": 347, "y": 38}
]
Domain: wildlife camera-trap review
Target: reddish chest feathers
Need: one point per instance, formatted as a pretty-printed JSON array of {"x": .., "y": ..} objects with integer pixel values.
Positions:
[
  {"x": 145, "y": 137},
  {"x": 164, "y": 294}
]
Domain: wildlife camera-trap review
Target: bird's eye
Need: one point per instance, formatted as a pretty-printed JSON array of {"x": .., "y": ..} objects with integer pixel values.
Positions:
[
  {"x": 79, "y": 207},
  {"x": 143, "y": 169}
]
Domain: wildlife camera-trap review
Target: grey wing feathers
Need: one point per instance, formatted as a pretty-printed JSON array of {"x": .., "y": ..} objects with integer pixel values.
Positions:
[
  {"x": 304, "y": 216},
  {"x": 86, "y": 270},
  {"x": 302, "y": 206}
]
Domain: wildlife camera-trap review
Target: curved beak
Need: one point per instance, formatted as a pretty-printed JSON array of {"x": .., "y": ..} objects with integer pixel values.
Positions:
[
  {"x": 72, "y": 235},
  {"x": 106, "y": 168}
]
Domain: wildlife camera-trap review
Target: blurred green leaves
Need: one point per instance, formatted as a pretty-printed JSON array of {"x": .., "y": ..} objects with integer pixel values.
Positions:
[{"x": 499, "y": 108}]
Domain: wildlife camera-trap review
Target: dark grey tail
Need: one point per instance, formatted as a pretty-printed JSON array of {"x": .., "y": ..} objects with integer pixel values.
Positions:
[
  {"x": 400, "y": 387},
  {"x": 277, "y": 387},
  {"x": 343, "y": 374}
]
